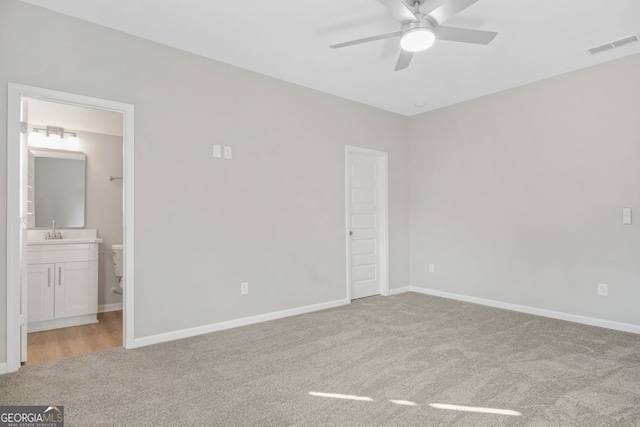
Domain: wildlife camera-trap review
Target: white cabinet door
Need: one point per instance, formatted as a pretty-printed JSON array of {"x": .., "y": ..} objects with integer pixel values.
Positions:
[
  {"x": 41, "y": 290},
  {"x": 76, "y": 293}
]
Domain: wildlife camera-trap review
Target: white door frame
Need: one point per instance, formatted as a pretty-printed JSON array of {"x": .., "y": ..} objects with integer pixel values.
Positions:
[
  {"x": 16, "y": 93},
  {"x": 384, "y": 214}
]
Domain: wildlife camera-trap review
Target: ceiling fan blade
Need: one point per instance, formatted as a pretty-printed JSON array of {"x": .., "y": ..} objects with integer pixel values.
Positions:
[
  {"x": 464, "y": 35},
  {"x": 366, "y": 39},
  {"x": 430, "y": 5},
  {"x": 399, "y": 10},
  {"x": 403, "y": 60},
  {"x": 450, "y": 9}
]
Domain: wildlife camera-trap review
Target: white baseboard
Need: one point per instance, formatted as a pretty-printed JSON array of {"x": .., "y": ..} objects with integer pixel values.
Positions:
[
  {"x": 116, "y": 306},
  {"x": 4, "y": 368},
  {"x": 396, "y": 291},
  {"x": 200, "y": 330},
  {"x": 592, "y": 321}
]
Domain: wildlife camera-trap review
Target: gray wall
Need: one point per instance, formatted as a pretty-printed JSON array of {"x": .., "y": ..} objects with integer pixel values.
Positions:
[
  {"x": 104, "y": 203},
  {"x": 517, "y": 197},
  {"x": 273, "y": 216}
]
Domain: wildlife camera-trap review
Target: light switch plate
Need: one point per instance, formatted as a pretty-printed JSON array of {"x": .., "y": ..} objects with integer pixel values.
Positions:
[
  {"x": 626, "y": 215},
  {"x": 217, "y": 151},
  {"x": 227, "y": 152}
]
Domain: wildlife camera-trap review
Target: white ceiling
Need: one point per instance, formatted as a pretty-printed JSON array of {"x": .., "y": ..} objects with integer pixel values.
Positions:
[{"x": 289, "y": 40}]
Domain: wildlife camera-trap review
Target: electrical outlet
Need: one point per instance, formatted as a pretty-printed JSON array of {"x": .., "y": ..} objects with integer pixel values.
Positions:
[
  {"x": 432, "y": 268},
  {"x": 244, "y": 288},
  {"x": 228, "y": 152},
  {"x": 603, "y": 289}
]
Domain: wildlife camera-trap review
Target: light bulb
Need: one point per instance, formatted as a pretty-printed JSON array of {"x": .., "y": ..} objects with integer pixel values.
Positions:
[
  {"x": 73, "y": 142},
  {"x": 417, "y": 39},
  {"x": 35, "y": 137}
]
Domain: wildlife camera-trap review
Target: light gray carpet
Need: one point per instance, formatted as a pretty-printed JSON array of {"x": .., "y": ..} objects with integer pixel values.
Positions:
[{"x": 409, "y": 347}]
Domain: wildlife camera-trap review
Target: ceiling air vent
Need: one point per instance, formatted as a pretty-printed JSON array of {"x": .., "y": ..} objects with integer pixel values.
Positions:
[
  {"x": 612, "y": 45},
  {"x": 624, "y": 41}
]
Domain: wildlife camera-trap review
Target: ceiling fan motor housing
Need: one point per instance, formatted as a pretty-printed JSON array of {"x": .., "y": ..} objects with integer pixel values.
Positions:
[{"x": 423, "y": 23}]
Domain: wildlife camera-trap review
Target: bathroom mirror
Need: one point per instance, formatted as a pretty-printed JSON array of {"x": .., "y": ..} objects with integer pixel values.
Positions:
[{"x": 57, "y": 181}]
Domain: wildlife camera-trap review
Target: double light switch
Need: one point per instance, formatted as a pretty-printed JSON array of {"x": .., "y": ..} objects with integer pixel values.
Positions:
[
  {"x": 219, "y": 151},
  {"x": 626, "y": 215}
]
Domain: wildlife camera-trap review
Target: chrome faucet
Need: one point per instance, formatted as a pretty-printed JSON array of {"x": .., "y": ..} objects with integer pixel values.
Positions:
[{"x": 53, "y": 234}]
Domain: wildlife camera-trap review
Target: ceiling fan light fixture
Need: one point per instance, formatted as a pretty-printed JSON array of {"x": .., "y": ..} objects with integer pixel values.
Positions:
[{"x": 417, "y": 39}]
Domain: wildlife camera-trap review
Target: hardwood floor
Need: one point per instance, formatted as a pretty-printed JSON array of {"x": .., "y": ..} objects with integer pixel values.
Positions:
[{"x": 64, "y": 342}]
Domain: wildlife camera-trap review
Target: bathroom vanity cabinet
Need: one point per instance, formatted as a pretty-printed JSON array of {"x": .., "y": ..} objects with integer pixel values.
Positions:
[{"x": 62, "y": 284}]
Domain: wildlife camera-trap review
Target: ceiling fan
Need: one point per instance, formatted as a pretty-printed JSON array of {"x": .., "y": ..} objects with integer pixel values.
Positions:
[{"x": 421, "y": 28}]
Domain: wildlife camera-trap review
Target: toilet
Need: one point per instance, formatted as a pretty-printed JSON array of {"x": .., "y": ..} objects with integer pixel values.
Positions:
[{"x": 118, "y": 264}]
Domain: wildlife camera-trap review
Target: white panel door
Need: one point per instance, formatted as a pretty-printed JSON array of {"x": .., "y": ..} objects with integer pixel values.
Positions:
[{"x": 366, "y": 216}]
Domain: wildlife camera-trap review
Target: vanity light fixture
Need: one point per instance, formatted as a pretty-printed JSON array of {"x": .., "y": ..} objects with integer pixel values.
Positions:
[{"x": 55, "y": 132}]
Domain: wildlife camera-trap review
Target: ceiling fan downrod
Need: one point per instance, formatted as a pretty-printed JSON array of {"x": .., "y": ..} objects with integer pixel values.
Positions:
[{"x": 416, "y": 8}]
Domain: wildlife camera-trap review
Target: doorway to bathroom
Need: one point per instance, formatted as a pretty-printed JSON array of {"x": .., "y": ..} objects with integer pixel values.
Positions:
[
  {"x": 64, "y": 296},
  {"x": 61, "y": 138}
]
